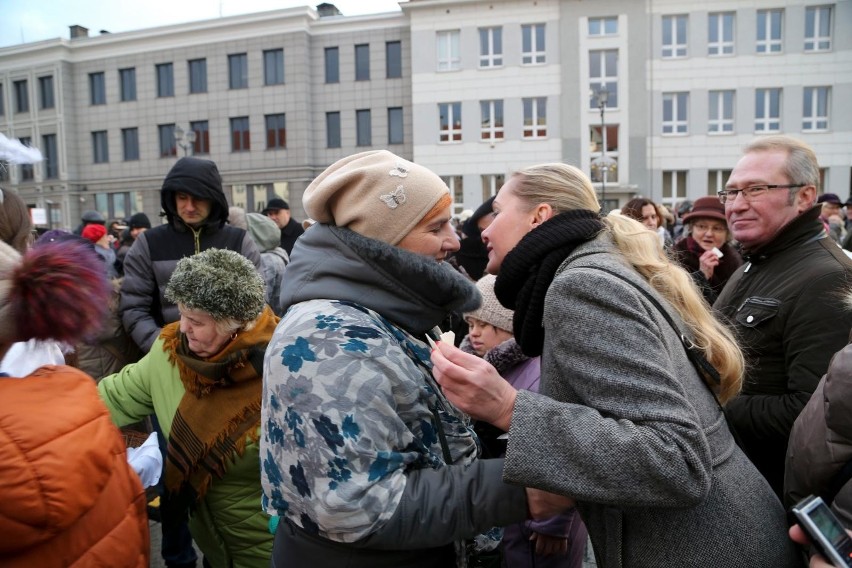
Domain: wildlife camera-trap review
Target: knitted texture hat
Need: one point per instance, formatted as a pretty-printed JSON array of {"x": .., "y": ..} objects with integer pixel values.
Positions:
[
  {"x": 223, "y": 283},
  {"x": 376, "y": 194},
  {"x": 94, "y": 232},
  {"x": 491, "y": 311}
]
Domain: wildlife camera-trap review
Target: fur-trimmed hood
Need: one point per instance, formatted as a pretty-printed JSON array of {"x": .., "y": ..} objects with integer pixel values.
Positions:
[{"x": 409, "y": 289}]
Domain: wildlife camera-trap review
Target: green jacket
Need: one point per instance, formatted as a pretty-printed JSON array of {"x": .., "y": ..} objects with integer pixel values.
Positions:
[{"x": 228, "y": 525}]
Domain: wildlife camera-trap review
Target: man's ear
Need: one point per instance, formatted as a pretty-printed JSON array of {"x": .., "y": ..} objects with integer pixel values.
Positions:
[
  {"x": 806, "y": 198},
  {"x": 541, "y": 213}
]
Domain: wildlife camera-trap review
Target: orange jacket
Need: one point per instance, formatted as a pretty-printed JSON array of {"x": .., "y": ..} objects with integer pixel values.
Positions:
[{"x": 67, "y": 495}]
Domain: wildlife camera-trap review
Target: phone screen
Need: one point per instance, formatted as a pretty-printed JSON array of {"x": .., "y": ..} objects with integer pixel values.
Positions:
[{"x": 823, "y": 519}]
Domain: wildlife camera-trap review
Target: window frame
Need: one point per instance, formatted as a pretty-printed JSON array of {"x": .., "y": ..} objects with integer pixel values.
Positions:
[
  {"x": 604, "y": 80},
  {"x": 725, "y": 25},
  {"x": 332, "y": 129},
  {"x": 51, "y": 156},
  {"x": 127, "y": 84},
  {"x": 165, "y": 80},
  {"x": 22, "y": 95},
  {"x": 238, "y": 71},
  {"x": 332, "y": 65},
  {"x": 492, "y": 120},
  {"x": 166, "y": 140},
  {"x": 490, "y": 47},
  {"x": 671, "y": 24},
  {"x": 815, "y": 42},
  {"x": 812, "y": 119},
  {"x": 240, "y": 129},
  {"x": 723, "y": 107},
  {"x": 202, "y": 136},
  {"x": 393, "y": 59},
  {"x": 273, "y": 67},
  {"x": 450, "y": 40},
  {"x": 396, "y": 126},
  {"x": 97, "y": 88},
  {"x": 767, "y": 43},
  {"x": 530, "y": 52},
  {"x": 197, "y": 70},
  {"x": 602, "y": 24},
  {"x": 27, "y": 170},
  {"x": 767, "y": 122},
  {"x": 130, "y": 144},
  {"x": 535, "y": 120},
  {"x": 678, "y": 123},
  {"x": 276, "y": 134},
  {"x": 449, "y": 130},
  {"x": 47, "y": 98},
  {"x": 363, "y": 127},
  {"x": 100, "y": 147},
  {"x": 362, "y": 62}
]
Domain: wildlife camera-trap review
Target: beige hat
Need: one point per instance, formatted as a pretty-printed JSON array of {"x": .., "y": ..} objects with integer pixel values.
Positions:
[
  {"x": 491, "y": 311},
  {"x": 376, "y": 194}
]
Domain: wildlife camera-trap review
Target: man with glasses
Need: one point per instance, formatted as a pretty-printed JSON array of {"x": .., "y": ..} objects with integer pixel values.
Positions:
[{"x": 782, "y": 303}]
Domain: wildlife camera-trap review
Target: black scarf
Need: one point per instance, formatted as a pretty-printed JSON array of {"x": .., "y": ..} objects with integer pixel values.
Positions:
[{"x": 527, "y": 271}]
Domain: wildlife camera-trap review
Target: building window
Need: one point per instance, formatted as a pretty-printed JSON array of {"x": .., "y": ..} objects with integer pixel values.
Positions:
[
  {"x": 165, "y": 80},
  {"x": 491, "y": 113},
  {"x": 2, "y": 104},
  {"x": 603, "y": 26},
  {"x": 45, "y": 92},
  {"x": 51, "y": 157},
  {"x": 767, "y": 110},
  {"x": 450, "y": 122},
  {"x": 769, "y": 30},
  {"x": 674, "y": 36},
  {"x": 491, "y": 184},
  {"x": 127, "y": 84},
  {"x": 456, "y": 186},
  {"x": 603, "y": 76},
  {"x": 721, "y": 112},
  {"x": 332, "y": 130},
  {"x": 97, "y": 89},
  {"x": 490, "y": 47},
  {"x": 22, "y": 96},
  {"x": 100, "y": 147},
  {"x": 817, "y": 28},
  {"x": 168, "y": 144},
  {"x": 198, "y": 76},
  {"x": 362, "y": 62},
  {"x": 535, "y": 117},
  {"x": 532, "y": 44},
  {"x": 675, "y": 112},
  {"x": 395, "y": 130},
  {"x": 238, "y": 71},
  {"x": 716, "y": 180},
  {"x": 603, "y": 163},
  {"x": 720, "y": 34},
  {"x": 332, "y": 65},
  {"x": 4, "y": 170},
  {"x": 130, "y": 144},
  {"x": 276, "y": 131},
  {"x": 202, "y": 137},
  {"x": 240, "y": 135},
  {"x": 27, "y": 171},
  {"x": 674, "y": 187},
  {"x": 449, "y": 58},
  {"x": 364, "y": 127},
  {"x": 273, "y": 67},
  {"x": 393, "y": 59},
  {"x": 815, "y": 111}
]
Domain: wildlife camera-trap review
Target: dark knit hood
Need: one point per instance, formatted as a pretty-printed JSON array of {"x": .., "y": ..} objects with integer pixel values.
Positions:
[{"x": 199, "y": 178}]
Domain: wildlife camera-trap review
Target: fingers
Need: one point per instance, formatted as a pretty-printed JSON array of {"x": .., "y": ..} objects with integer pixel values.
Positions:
[{"x": 798, "y": 535}]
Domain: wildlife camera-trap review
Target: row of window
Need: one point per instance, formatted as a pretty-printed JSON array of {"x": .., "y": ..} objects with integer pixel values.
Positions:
[
  {"x": 273, "y": 74},
  {"x": 491, "y": 120},
  {"x": 533, "y": 51},
  {"x": 767, "y": 111},
  {"x": 768, "y": 32}
]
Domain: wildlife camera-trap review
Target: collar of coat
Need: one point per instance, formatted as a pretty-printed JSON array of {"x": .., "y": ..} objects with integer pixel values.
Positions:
[
  {"x": 413, "y": 291},
  {"x": 804, "y": 228}
]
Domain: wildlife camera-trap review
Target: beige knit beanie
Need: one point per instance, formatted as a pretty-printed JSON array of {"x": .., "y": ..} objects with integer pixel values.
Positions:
[
  {"x": 491, "y": 311},
  {"x": 376, "y": 194}
]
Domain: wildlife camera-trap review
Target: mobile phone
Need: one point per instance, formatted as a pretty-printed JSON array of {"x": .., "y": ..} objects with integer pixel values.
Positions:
[{"x": 825, "y": 531}]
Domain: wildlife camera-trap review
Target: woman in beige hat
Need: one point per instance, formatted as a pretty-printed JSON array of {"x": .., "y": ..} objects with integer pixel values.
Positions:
[
  {"x": 705, "y": 251},
  {"x": 362, "y": 456}
]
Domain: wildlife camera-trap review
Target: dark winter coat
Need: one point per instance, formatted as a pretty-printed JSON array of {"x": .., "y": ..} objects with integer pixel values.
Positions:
[
  {"x": 784, "y": 306},
  {"x": 687, "y": 253}
]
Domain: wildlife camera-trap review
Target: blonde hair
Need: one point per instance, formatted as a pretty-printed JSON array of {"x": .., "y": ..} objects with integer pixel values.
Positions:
[{"x": 566, "y": 188}]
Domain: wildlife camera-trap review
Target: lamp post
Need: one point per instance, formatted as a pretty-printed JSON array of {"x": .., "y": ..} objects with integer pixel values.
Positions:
[
  {"x": 184, "y": 138},
  {"x": 603, "y": 97}
]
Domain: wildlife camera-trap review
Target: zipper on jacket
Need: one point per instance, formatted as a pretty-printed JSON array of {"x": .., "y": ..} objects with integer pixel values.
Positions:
[
  {"x": 197, "y": 235},
  {"x": 747, "y": 267}
]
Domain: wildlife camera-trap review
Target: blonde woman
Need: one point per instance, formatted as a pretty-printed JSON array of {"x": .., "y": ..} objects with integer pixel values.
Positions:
[{"x": 625, "y": 424}]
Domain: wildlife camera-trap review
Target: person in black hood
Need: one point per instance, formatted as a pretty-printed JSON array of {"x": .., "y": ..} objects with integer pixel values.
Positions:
[
  {"x": 196, "y": 210},
  {"x": 472, "y": 254}
]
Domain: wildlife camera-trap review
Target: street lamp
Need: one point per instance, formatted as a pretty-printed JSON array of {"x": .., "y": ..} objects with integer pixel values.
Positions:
[
  {"x": 184, "y": 138},
  {"x": 603, "y": 97}
]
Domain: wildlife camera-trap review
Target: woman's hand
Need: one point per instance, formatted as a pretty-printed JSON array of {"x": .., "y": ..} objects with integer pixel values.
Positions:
[
  {"x": 546, "y": 545},
  {"x": 708, "y": 262},
  {"x": 473, "y": 385}
]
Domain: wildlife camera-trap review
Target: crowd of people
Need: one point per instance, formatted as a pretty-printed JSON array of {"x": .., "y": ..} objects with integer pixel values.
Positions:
[{"x": 664, "y": 384}]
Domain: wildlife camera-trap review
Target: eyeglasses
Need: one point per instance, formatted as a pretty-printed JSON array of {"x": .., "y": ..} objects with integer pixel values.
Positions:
[
  {"x": 753, "y": 192},
  {"x": 702, "y": 228}
]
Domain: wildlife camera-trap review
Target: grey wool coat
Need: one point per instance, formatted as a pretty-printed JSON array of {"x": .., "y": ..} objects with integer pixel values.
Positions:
[{"x": 632, "y": 432}]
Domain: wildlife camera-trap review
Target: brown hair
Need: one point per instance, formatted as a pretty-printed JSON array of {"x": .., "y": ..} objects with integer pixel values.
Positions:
[{"x": 15, "y": 225}]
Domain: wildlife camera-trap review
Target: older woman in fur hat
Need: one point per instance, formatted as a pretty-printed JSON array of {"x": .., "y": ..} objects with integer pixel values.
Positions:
[
  {"x": 705, "y": 252},
  {"x": 362, "y": 456},
  {"x": 202, "y": 379}
]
